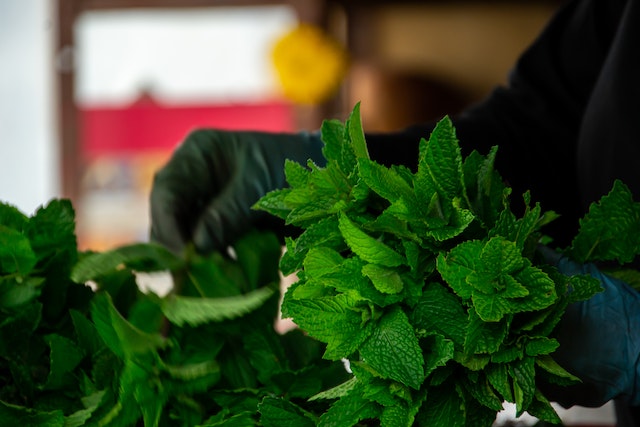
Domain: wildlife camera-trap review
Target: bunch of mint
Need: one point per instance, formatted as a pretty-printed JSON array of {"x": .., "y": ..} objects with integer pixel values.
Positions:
[
  {"x": 206, "y": 354},
  {"x": 428, "y": 283}
]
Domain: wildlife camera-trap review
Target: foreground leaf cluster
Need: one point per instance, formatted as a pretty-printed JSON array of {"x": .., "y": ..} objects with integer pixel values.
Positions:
[
  {"x": 206, "y": 354},
  {"x": 425, "y": 282},
  {"x": 429, "y": 283}
]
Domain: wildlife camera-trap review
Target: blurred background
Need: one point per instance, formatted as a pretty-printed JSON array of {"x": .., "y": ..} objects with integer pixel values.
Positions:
[{"x": 96, "y": 94}]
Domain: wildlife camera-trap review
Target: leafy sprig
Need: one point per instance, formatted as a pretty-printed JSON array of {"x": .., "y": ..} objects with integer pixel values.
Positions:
[
  {"x": 429, "y": 283},
  {"x": 205, "y": 354}
]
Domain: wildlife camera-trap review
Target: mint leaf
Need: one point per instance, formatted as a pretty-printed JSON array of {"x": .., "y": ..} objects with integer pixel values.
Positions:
[
  {"x": 610, "y": 230},
  {"x": 439, "y": 311},
  {"x": 349, "y": 410},
  {"x": 194, "y": 311},
  {"x": 441, "y": 161},
  {"x": 484, "y": 337},
  {"x": 137, "y": 256},
  {"x": 334, "y": 320},
  {"x": 443, "y": 407},
  {"x": 118, "y": 334},
  {"x": 51, "y": 231},
  {"x": 366, "y": 247},
  {"x": 356, "y": 133},
  {"x": 275, "y": 203},
  {"x": 386, "y": 280},
  {"x": 12, "y": 217},
  {"x": 458, "y": 264},
  {"x": 437, "y": 352},
  {"x": 393, "y": 350},
  {"x": 385, "y": 181},
  {"x": 484, "y": 186},
  {"x": 523, "y": 374},
  {"x": 64, "y": 356},
  {"x": 282, "y": 413},
  {"x": 13, "y": 415},
  {"x": 16, "y": 254}
]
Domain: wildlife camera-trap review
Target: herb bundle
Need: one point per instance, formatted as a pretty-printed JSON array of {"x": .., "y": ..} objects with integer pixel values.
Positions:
[
  {"x": 429, "y": 284},
  {"x": 426, "y": 282}
]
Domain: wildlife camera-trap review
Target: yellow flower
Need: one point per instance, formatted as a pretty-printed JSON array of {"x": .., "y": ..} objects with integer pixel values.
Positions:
[{"x": 310, "y": 65}]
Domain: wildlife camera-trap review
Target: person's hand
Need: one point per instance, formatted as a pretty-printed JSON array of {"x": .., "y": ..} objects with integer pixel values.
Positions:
[
  {"x": 599, "y": 340},
  {"x": 204, "y": 194}
]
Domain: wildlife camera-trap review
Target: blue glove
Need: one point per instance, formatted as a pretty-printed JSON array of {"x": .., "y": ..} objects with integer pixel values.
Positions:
[
  {"x": 599, "y": 340},
  {"x": 204, "y": 194}
]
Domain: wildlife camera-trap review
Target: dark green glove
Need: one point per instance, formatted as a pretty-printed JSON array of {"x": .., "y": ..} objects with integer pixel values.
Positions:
[
  {"x": 599, "y": 340},
  {"x": 205, "y": 192}
]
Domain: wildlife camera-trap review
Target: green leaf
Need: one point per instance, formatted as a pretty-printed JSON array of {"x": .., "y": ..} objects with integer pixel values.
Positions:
[
  {"x": 481, "y": 390},
  {"x": 64, "y": 356},
  {"x": 86, "y": 333},
  {"x": 13, "y": 415},
  {"x": 396, "y": 416},
  {"x": 12, "y": 217},
  {"x": 542, "y": 409},
  {"x": 547, "y": 363},
  {"x": 91, "y": 404},
  {"x": 336, "y": 146},
  {"x": 438, "y": 350},
  {"x": 542, "y": 290},
  {"x": 523, "y": 373},
  {"x": 498, "y": 376},
  {"x": 120, "y": 335},
  {"x": 138, "y": 256},
  {"x": 323, "y": 233},
  {"x": 541, "y": 345},
  {"x": 321, "y": 261},
  {"x": 297, "y": 175},
  {"x": 338, "y": 391},
  {"x": 258, "y": 254},
  {"x": 212, "y": 276},
  {"x": 610, "y": 230},
  {"x": 440, "y": 311},
  {"x": 51, "y": 231},
  {"x": 333, "y": 320},
  {"x": 386, "y": 280},
  {"x": 356, "y": 133},
  {"x": 484, "y": 337},
  {"x": 441, "y": 161},
  {"x": 443, "y": 408},
  {"x": 275, "y": 202},
  {"x": 276, "y": 412},
  {"x": 194, "y": 311},
  {"x": 484, "y": 186},
  {"x": 491, "y": 308},
  {"x": 385, "y": 181},
  {"x": 16, "y": 254},
  {"x": 393, "y": 350},
  {"x": 458, "y": 264},
  {"x": 348, "y": 411},
  {"x": 366, "y": 247},
  {"x": 15, "y": 292}
]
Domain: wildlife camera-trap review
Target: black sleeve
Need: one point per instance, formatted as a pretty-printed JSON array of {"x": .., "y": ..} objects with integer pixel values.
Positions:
[{"x": 535, "y": 119}]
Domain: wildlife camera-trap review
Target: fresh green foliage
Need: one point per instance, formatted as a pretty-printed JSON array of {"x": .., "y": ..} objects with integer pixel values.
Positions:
[
  {"x": 425, "y": 281},
  {"x": 428, "y": 282},
  {"x": 206, "y": 354}
]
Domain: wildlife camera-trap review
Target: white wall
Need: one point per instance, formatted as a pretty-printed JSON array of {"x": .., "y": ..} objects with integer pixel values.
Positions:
[{"x": 28, "y": 146}]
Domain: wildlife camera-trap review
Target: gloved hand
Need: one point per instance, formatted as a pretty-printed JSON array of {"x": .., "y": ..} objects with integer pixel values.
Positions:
[
  {"x": 599, "y": 340},
  {"x": 205, "y": 192}
]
